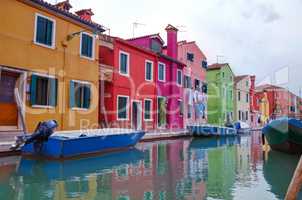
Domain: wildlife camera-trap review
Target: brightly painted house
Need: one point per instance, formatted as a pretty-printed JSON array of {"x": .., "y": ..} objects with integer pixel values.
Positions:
[
  {"x": 168, "y": 77},
  {"x": 220, "y": 79},
  {"x": 195, "y": 86},
  {"x": 47, "y": 56},
  {"x": 275, "y": 101},
  {"x": 242, "y": 86},
  {"x": 129, "y": 92}
]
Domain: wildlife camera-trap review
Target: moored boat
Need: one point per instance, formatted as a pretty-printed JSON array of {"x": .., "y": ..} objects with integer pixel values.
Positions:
[
  {"x": 66, "y": 144},
  {"x": 284, "y": 134},
  {"x": 210, "y": 130}
]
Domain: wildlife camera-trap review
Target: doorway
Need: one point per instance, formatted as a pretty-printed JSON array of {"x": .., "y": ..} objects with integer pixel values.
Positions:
[
  {"x": 9, "y": 80},
  {"x": 136, "y": 115},
  {"x": 161, "y": 112}
]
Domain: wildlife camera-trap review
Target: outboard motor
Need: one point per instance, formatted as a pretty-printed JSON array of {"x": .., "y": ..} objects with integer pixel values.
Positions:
[{"x": 43, "y": 131}]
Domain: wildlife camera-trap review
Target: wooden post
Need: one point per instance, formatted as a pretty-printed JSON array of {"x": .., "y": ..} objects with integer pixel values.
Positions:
[{"x": 296, "y": 183}]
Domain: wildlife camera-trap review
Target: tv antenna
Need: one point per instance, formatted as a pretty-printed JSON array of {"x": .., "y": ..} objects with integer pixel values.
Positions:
[{"x": 134, "y": 26}]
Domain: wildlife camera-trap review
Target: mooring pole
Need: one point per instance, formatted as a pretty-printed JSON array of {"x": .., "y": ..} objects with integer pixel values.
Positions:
[{"x": 295, "y": 184}]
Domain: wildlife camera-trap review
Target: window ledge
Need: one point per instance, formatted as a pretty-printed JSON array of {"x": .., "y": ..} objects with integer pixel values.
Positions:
[
  {"x": 88, "y": 58},
  {"x": 42, "y": 106},
  {"x": 80, "y": 109},
  {"x": 44, "y": 45},
  {"x": 148, "y": 120},
  {"x": 122, "y": 119},
  {"x": 122, "y": 74}
]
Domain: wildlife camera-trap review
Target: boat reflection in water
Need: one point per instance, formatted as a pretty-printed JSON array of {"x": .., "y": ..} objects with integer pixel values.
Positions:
[{"x": 278, "y": 170}]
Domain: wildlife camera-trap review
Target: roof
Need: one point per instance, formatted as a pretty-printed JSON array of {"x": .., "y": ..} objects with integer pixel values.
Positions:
[
  {"x": 171, "y": 59},
  {"x": 239, "y": 78},
  {"x": 156, "y": 35},
  {"x": 55, "y": 10},
  {"x": 268, "y": 87},
  {"x": 217, "y": 66},
  {"x": 185, "y": 42},
  {"x": 170, "y": 27}
]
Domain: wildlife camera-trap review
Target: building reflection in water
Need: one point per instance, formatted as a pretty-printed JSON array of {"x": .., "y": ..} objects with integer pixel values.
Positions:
[{"x": 212, "y": 168}]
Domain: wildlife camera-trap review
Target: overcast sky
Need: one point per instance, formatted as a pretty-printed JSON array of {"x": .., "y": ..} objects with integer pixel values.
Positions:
[{"x": 261, "y": 37}]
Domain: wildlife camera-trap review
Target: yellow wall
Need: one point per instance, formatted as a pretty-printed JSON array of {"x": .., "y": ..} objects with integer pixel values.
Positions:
[
  {"x": 18, "y": 50},
  {"x": 264, "y": 108}
]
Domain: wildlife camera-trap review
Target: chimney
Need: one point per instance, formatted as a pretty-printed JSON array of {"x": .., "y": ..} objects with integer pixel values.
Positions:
[
  {"x": 171, "y": 41},
  {"x": 64, "y": 5},
  {"x": 85, "y": 14}
]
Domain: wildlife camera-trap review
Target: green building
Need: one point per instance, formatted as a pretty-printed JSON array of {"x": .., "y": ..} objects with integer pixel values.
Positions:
[{"x": 220, "y": 78}]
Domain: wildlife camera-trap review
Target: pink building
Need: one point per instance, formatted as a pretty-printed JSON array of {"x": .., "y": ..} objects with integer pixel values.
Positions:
[
  {"x": 195, "y": 86},
  {"x": 168, "y": 76}
]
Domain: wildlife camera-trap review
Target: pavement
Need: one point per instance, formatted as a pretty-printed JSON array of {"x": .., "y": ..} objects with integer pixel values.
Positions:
[{"x": 6, "y": 140}]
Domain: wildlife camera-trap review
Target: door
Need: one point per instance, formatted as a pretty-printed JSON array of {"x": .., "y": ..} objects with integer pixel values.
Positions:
[
  {"x": 136, "y": 115},
  {"x": 161, "y": 112},
  {"x": 8, "y": 106}
]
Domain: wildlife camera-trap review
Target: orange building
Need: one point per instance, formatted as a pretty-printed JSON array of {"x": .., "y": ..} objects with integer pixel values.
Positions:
[{"x": 50, "y": 55}]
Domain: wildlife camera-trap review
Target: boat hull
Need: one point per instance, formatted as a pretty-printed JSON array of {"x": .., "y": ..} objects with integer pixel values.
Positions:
[
  {"x": 61, "y": 147},
  {"x": 284, "y": 135}
]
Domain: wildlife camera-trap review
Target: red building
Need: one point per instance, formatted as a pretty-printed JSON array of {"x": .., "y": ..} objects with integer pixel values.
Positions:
[
  {"x": 281, "y": 102},
  {"x": 128, "y": 87},
  {"x": 168, "y": 76}
]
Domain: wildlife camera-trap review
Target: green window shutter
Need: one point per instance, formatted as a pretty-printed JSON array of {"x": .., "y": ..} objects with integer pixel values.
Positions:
[
  {"x": 72, "y": 95},
  {"x": 33, "y": 88},
  {"x": 87, "y": 94},
  {"x": 53, "y": 92},
  {"x": 49, "y": 27}
]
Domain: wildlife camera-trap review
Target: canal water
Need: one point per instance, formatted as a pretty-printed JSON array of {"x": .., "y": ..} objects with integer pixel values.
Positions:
[{"x": 208, "y": 168}]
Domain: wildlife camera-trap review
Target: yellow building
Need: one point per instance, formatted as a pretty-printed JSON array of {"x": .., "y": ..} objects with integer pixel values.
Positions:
[{"x": 50, "y": 55}]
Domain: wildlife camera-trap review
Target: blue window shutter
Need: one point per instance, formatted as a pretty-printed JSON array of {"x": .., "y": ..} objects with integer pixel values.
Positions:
[
  {"x": 87, "y": 96},
  {"x": 72, "y": 95},
  {"x": 33, "y": 88},
  {"x": 53, "y": 92}
]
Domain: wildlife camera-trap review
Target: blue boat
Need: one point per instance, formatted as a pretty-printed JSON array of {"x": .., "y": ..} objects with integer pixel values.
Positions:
[
  {"x": 67, "y": 144},
  {"x": 210, "y": 130}
]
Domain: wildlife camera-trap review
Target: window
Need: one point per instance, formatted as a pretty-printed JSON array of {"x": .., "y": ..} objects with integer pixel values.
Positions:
[
  {"x": 205, "y": 88},
  {"x": 161, "y": 72},
  {"x": 190, "y": 57},
  {"x": 87, "y": 46},
  {"x": 181, "y": 107},
  {"x": 43, "y": 90},
  {"x": 44, "y": 31},
  {"x": 147, "y": 110},
  {"x": 122, "y": 106},
  {"x": 204, "y": 64},
  {"x": 189, "y": 112},
  {"x": 247, "y": 83},
  {"x": 222, "y": 74},
  {"x": 179, "y": 77},
  {"x": 80, "y": 94},
  {"x": 247, "y": 115},
  {"x": 124, "y": 63},
  {"x": 187, "y": 82},
  {"x": 149, "y": 71},
  {"x": 247, "y": 98},
  {"x": 239, "y": 95},
  {"x": 197, "y": 84},
  {"x": 239, "y": 115},
  {"x": 155, "y": 46},
  {"x": 148, "y": 195}
]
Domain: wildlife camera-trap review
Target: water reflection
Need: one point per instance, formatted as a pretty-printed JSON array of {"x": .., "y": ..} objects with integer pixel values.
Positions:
[{"x": 209, "y": 168}]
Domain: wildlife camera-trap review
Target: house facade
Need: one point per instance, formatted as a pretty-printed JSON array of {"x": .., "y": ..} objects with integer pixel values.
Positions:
[
  {"x": 51, "y": 61},
  {"x": 242, "y": 85},
  {"x": 274, "y": 101},
  {"x": 194, "y": 82},
  {"x": 220, "y": 80},
  {"x": 129, "y": 96},
  {"x": 169, "y": 78}
]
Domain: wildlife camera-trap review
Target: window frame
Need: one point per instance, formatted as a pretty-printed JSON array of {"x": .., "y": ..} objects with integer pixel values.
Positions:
[
  {"x": 164, "y": 72},
  {"x": 179, "y": 84},
  {"x": 127, "y": 108},
  {"x": 151, "y": 113},
  {"x": 150, "y": 62},
  {"x": 49, "y": 77},
  {"x": 83, "y": 83},
  {"x": 128, "y": 63},
  {"x": 53, "y": 41},
  {"x": 93, "y": 46}
]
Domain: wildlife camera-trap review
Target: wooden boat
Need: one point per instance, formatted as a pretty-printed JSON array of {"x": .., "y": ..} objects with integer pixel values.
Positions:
[
  {"x": 284, "y": 134},
  {"x": 210, "y": 130},
  {"x": 66, "y": 144}
]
